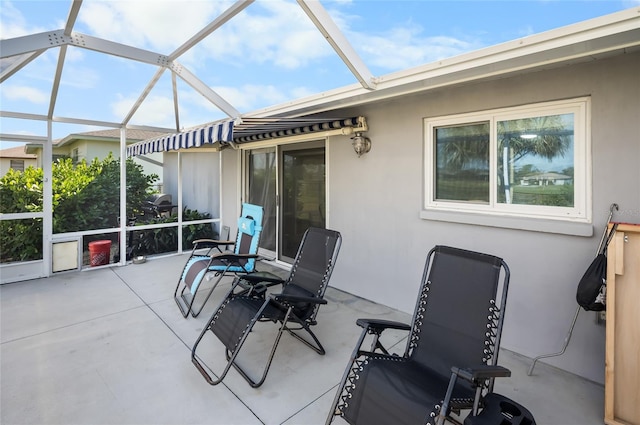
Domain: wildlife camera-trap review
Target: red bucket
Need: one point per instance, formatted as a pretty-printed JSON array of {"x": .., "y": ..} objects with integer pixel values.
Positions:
[{"x": 99, "y": 252}]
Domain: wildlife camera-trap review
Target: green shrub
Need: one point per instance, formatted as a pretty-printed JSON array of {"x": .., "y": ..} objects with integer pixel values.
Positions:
[
  {"x": 85, "y": 196},
  {"x": 21, "y": 192},
  {"x": 157, "y": 241}
]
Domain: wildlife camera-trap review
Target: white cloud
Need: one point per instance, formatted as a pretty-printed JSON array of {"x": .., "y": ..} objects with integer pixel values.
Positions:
[
  {"x": 402, "y": 48},
  {"x": 158, "y": 25},
  {"x": 74, "y": 54},
  {"x": 29, "y": 94},
  {"x": 81, "y": 77},
  {"x": 246, "y": 97},
  {"x": 154, "y": 111},
  {"x": 13, "y": 24},
  {"x": 276, "y": 32}
]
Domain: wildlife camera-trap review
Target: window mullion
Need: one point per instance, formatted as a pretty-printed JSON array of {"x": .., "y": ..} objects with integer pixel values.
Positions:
[{"x": 493, "y": 162}]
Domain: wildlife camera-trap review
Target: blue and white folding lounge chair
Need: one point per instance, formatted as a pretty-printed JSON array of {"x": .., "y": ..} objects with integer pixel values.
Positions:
[{"x": 222, "y": 263}]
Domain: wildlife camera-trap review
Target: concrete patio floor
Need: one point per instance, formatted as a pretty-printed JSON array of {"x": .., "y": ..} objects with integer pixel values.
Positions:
[{"x": 109, "y": 346}]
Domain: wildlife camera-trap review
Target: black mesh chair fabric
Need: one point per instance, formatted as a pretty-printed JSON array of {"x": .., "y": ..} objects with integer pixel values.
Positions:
[
  {"x": 293, "y": 309},
  {"x": 456, "y": 323}
]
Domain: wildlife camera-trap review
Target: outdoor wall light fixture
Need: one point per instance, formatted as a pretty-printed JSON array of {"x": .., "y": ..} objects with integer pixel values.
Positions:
[{"x": 361, "y": 144}]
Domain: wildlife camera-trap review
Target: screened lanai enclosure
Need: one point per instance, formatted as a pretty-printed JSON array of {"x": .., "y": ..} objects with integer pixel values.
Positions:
[
  {"x": 64, "y": 215},
  {"x": 507, "y": 128},
  {"x": 183, "y": 85}
]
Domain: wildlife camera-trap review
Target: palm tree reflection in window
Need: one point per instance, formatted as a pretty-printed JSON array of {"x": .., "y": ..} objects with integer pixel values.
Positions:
[
  {"x": 462, "y": 163},
  {"x": 534, "y": 161},
  {"x": 535, "y": 167}
]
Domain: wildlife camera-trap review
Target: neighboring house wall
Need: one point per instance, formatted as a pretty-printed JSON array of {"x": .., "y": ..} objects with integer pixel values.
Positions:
[
  {"x": 92, "y": 149},
  {"x": 84, "y": 149},
  {"x": 375, "y": 202},
  {"x": 5, "y": 164}
]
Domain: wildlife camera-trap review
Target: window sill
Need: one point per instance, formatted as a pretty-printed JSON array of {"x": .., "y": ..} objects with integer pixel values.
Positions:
[{"x": 510, "y": 222}]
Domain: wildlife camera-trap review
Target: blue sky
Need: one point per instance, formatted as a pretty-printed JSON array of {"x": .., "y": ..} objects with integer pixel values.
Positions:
[{"x": 269, "y": 54}]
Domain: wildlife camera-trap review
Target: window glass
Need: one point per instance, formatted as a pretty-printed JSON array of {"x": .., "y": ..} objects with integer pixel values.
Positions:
[
  {"x": 462, "y": 163},
  {"x": 535, "y": 161},
  {"x": 529, "y": 161},
  {"x": 17, "y": 164}
]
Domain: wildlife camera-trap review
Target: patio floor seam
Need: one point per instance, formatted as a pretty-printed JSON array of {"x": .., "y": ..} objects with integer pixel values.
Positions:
[{"x": 148, "y": 306}]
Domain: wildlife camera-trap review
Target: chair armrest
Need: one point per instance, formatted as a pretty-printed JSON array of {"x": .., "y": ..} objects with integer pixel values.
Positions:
[
  {"x": 258, "y": 282},
  {"x": 210, "y": 243},
  {"x": 481, "y": 372},
  {"x": 297, "y": 299},
  {"x": 261, "y": 277},
  {"x": 380, "y": 325},
  {"x": 232, "y": 256},
  {"x": 375, "y": 327},
  {"x": 473, "y": 374}
]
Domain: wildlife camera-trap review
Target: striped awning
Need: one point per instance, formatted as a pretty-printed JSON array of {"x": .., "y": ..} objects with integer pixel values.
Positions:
[
  {"x": 209, "y": 134},
  {"x": 257, "y": 129},
  {"x": 244, "y": 131}
]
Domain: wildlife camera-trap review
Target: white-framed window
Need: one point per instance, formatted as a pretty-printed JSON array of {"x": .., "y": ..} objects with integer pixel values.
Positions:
[
  {"x": 529, "y": 162},
  {"x": 75, "y": 155},
  {"x": 17, "y": 164}
]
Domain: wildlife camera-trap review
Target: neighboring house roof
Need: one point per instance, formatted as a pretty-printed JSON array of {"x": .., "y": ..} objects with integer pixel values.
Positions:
[
  {"x": 18, "y": 152},
  {"x": 108, "y": 135},
  {"x": 548, "y": 176}
]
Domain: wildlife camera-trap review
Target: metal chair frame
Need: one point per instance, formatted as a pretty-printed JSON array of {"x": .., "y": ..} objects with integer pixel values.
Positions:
[
  {"x": 218, "y": 261},
  {"x": 479, "y": 377},
  {"x": 282, "y": 308}
]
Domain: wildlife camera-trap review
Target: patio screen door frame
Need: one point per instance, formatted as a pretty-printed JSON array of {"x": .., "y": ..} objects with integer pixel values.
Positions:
[{"x": 289, "y": 181}]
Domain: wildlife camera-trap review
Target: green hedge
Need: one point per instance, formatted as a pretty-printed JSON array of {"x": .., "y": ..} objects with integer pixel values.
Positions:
[
  {"x": 157, "y": 241},
  {"x": 85, "y": 196}
]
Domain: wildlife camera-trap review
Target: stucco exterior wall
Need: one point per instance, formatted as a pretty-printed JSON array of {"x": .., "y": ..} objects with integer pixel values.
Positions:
[{"x": 375, "y": 202}]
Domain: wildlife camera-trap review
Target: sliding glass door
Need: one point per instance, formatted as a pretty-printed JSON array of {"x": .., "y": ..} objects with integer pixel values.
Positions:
[
  {"x": 289, "y": 182},
  {"x": 261, "y": 185}
]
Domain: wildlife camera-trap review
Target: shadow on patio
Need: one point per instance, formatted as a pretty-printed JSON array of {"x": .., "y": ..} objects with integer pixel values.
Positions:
[{"x": 109, "y": 346}]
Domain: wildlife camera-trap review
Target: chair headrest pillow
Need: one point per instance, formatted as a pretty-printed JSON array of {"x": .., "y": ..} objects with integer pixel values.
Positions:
[{"x": 247, "y": 225}]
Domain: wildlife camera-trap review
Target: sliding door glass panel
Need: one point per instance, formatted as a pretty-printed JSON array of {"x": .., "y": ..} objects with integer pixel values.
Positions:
[
  {"x": 262, "y": 191},
  {"x": 303, "y": 196}
]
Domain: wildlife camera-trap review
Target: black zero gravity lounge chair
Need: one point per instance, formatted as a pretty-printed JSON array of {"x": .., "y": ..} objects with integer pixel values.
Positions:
[
  {"x": 449, "y": 362},
  {"x": 218, "y": 261},
  {"x": 293, "y": 309}
]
